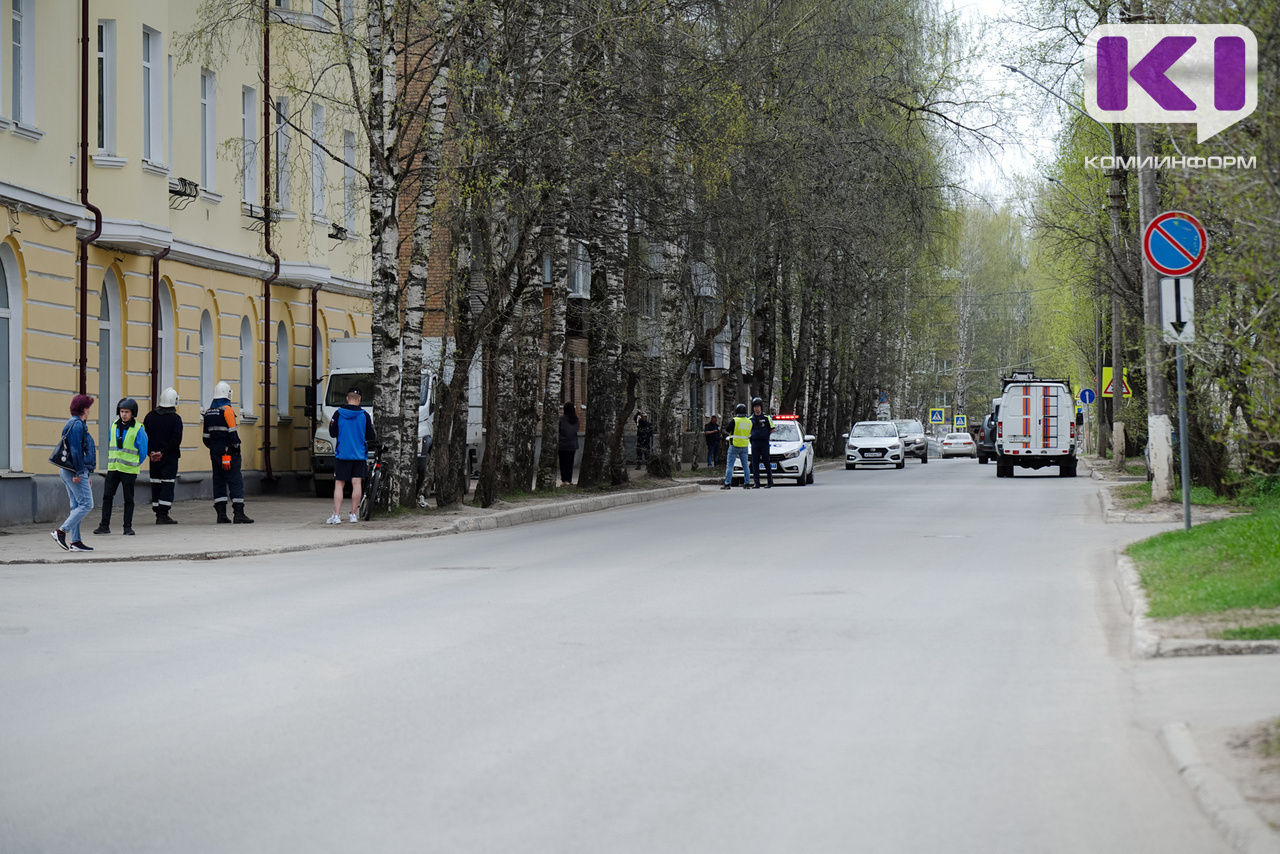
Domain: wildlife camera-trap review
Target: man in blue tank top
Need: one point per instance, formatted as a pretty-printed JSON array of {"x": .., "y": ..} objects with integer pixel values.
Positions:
[{"x": 352, "y": 431}]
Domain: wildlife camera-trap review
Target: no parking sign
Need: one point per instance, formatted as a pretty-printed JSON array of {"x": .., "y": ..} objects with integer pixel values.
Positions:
[{"x": 1175, "y": 243}]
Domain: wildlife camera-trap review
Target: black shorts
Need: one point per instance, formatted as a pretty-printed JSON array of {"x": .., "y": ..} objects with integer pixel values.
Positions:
[{"x": 345, "y": 470}]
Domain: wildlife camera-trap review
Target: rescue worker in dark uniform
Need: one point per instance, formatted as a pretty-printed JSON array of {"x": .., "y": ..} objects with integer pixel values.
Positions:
[
  {"x": 164, "y": 432},
  {"x": 761, "y": 427},
  {"x": 127, "y": 441},
  {"x": 223, "y": 442}
]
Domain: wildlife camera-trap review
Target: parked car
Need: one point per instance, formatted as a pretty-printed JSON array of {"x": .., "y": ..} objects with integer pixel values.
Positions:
[
  {"x": 873, "y": 443},
  {"x": 959, "y": 445},
  {"x": 790, "y": 451},
  {"x": 914, "y": 443}
]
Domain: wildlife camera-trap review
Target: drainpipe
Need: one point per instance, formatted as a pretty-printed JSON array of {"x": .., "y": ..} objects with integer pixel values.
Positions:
[
  {"x": 84, "y": 197},
  {"x": 315, "y": 343},
  {"x": 155, "y": 325},
  {"x": 266, "y": 232}
]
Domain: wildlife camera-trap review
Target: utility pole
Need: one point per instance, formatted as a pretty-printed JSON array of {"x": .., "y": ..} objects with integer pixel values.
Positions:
[
  {"x": 1116, "y": 197},
  {"x": 1159, "y": 427}
]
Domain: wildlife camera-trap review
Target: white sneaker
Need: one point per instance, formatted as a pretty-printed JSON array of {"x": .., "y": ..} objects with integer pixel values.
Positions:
[
  {"x": 352, "y": 518},
  {"x": 335, "y": 519}
]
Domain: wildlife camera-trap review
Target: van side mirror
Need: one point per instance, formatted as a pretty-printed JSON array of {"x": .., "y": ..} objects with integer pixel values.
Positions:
[{"x": 309, "y": 399}]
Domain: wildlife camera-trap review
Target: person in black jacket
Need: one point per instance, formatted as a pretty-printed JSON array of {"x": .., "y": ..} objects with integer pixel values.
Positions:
[
  {"x": 164, "y": 436},
  {"x": 761, "y": 428},
  {"x": 568, "y": 442},
  {"x": 644, "y": 440}
]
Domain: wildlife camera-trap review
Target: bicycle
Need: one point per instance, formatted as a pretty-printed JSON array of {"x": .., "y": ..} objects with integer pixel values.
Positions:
[{"x": 376, "y": 488}]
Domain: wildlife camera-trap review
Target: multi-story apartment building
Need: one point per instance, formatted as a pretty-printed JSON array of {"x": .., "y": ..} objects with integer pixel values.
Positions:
[{"x": 175, "y": 281}]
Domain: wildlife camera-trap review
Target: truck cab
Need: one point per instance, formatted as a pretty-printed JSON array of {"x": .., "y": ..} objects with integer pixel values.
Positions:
[{"x": 1035, "y": 425}]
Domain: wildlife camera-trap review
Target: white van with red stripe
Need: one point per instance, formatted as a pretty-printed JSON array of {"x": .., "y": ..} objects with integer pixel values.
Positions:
[{"x": 1036, "y": 426}]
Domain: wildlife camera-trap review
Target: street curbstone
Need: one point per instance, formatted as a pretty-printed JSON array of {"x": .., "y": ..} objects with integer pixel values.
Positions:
[{"x": 1218, "y": 798}]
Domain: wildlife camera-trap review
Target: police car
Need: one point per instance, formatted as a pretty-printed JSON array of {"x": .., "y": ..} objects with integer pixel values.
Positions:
[{"x": 790, "y": 452}]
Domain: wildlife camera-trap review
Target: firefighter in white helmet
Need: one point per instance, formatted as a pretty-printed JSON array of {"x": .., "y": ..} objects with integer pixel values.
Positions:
[
  {"x": 223, "y": 442},
  {"x": 164, "y": 430}
]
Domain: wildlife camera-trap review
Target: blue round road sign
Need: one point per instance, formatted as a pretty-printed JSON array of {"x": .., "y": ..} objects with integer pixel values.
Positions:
[
  {"x": 1175, "y": 243},
  {"x": 1086, "y": 395}
]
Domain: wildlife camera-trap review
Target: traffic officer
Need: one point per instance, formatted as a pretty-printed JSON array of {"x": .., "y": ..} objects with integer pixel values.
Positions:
[
  {"x": 761, "y": 427},
  {"x": 164, "y": 435},
  {"x": 127, "y": 446},
  {"x": 223, "y": 442},
  {"x": 740, "y": 432}
]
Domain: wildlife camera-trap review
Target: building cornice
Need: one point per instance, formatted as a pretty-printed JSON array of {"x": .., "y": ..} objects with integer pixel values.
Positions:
[{"x": 21, "y": 198}]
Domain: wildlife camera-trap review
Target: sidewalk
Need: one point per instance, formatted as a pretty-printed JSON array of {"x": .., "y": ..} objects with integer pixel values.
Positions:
[{"x": 291, "y": 523}]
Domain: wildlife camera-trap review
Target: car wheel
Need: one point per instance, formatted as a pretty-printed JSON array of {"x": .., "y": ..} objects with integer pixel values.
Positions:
[
  {"x": 901, "y": 465},
  {"x": 323, "y": 488},
  {"x": 809, "y": 476},
  {"x": 850, "y": 466},
  {"x": 924, "y": 459},
  {"x": 982, "y": 459}
]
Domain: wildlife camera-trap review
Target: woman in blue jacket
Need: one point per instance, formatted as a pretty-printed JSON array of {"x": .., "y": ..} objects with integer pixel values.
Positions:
[{"x": 84, "y": 458}]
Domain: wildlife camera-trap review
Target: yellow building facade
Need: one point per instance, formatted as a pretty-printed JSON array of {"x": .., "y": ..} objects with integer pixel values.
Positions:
[{"x": 175, "y": 279}]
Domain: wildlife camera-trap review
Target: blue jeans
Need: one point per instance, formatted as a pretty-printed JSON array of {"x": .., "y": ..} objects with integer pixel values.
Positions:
[
  {"x": 735, "y": 453},
  {"x": 81, "y": 496},
  {"x": 713, "y": 454}
]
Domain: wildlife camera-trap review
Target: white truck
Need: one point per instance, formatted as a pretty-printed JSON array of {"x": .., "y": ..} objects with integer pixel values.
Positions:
[
  {"x": 1035, "y": 426},
  {"x": 351, "y": 366}
]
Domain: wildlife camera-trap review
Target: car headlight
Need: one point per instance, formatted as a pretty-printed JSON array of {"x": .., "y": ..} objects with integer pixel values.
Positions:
[
  {"x": 322, "y": 446},
  {"x": 896, "y": 446},
  {"x": 791, "y": 455}
]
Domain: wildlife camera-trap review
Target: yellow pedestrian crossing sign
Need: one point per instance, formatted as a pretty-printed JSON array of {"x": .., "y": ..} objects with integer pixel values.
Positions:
[
  {"x": 937, "y": 416},
  {"x": 961, "y": 422},
  {"x": 1106, "y": 383}
]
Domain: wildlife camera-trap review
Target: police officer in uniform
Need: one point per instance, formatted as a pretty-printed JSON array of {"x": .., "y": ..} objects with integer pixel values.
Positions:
[
  {"x": 128, "y": 445},
  {"x": 761, "y": 427},
  {"x": 164, "y": 436},
  {"x": 223, "y": 442},
  {"x": 739, "y": 434}
]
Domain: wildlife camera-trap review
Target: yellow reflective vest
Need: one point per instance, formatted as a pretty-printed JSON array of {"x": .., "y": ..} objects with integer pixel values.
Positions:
[
  {"x": 741, "y": 431},
  {"x": 125, "y": 458}
]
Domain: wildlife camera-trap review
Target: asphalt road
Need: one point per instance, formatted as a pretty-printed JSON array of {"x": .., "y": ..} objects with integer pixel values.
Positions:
[{"x": 926, "y": 660}]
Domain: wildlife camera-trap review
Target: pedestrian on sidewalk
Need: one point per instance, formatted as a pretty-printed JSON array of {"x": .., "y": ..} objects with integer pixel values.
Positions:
[
  {"x": 644, "y": 440},
  {"x": 352, "y": 432},
  {"x": 761, "y": 428},
  {"x": 164, "y": 439},
  {"x": 738, "y": 439},
  {"x": 712, "y": 431},
  {"x": 223, "y": 442},
  {"x": 80, "y": 459},
  {"x": 568, "y": 446},
  {"x": 128, "y": 445}
]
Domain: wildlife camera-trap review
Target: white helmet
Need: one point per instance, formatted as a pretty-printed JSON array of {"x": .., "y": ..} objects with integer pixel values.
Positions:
[
  {"x": 169, "y": 397},
  {"x": 222, "y": 390}
]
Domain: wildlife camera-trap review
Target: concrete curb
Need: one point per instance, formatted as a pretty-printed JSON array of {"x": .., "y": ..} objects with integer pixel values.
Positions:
[
  {"x": 493, "y": 521},
  {"x": 1145, "y": 643},
  {"x": 1219, "y": 799}
]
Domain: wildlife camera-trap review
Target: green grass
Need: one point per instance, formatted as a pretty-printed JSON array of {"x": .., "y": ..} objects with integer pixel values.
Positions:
[
  {"x": 1269, "y": 632},
  {"x": 1135, "y": 496},
  {"x": 1217, "y": 566}
]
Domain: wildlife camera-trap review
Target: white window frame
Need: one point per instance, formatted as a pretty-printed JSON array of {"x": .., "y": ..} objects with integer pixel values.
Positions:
[
  {"x": 168, "y": 91},
  {"x": 208, "y": 357},
  {"x": 348, "y": 16},
  {"x": 284, "y": 381},
  {"x": 22, "y": 90},
  {"x": 318, "y": 162},
  {"x": 12, "y": 315},
  {"x": 578, "y": 270},
  {"x": 106, "y": 80},
  {"x": 249, "y": 144},
  {"x": 349, "y": 182},
  {"x": 246, "y": 365},
  {"x": 152, "y": 97},
  {"x": 284, "y": 137},
  {"x": 165, "y": 335},
  {"x": 110, "y": 357},
  {"x": 208, "y": 130}
]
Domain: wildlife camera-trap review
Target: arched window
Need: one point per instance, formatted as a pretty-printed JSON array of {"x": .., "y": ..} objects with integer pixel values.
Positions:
[
  {"x": 246, "y": 365},
  {"x": 110, "y": 356},
  {"x": 208, "y": 352},
  {"x": 10, "y": 363},
  {"x": 166, "y": 341},
  {"x": 284, "y": 377}
]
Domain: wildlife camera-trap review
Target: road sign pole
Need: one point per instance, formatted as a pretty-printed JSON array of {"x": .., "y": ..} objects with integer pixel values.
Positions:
[{"x": 1182, "y": 439}]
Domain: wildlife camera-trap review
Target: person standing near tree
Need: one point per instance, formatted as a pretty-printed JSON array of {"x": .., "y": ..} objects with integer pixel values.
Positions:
[
  {"x": 711, "y": 430},
  {"x": 128, "y": 446},
  {"x": 568, "y": 445},
  {"x": 761, "y": 428},
  {"x": 164, "y": 437},
  {"x": 352, "y": 432},
  {"x": 738, "y": 440},
  {"x": 644, "y": 440}
]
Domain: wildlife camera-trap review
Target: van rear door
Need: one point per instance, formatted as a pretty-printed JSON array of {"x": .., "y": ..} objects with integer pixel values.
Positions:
[{"x": 1033, "y": 416}]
